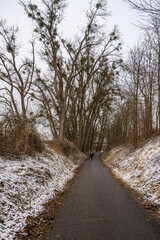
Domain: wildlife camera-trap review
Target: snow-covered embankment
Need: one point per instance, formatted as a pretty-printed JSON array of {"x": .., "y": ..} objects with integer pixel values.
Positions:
[
  {"x": 28, "y": 182},
  {"x": 139, "y": 168}
]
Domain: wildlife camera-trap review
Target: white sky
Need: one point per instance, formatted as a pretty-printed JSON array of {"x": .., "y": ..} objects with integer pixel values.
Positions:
[{"x": 121, "y": 15}]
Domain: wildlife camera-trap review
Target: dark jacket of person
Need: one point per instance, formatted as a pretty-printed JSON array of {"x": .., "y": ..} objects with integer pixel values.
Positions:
[{"x": 91, "y": 154}]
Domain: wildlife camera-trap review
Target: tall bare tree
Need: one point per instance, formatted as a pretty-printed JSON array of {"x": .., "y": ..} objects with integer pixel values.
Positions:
[
  {"x": 74, "y": 67},
  {"x": 16, "y": 76},
  {"x": 146, "y": 6}
]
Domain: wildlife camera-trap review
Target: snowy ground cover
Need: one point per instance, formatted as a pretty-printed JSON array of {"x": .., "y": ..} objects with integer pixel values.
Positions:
[
  {"x": 28, "y": 182},
  {"x": 139, "y": 168}
]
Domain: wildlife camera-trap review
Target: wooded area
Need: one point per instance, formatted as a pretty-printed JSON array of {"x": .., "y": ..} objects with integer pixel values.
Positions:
[{"x": 89, "y": 93}]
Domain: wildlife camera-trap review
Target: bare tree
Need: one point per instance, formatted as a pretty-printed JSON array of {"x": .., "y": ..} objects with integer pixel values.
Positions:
[
  {"x": 15, "y": 78},
  {"x": 146, "y": 6},
  {"x": 85, "y": 56},
  {"x": 154, "y": 32},
  {"x": 133, "y": 68},
  {"x": 150, "y": 24},
  {"x": 134, "y": 117}
]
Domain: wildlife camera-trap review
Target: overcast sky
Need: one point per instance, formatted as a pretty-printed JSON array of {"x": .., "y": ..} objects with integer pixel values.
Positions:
[{"x": 121, "y": 15}]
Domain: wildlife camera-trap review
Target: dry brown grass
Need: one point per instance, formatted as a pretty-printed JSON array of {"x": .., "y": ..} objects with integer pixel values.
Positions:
[
  {"x": 19, "y": 136},
  {"x": 115, "y": 155},
  {"x": 64, "y": 148}
]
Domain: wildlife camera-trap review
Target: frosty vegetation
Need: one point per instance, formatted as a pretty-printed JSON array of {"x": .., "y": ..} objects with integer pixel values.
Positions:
[
  {"x": 26, "y": 183},
  {"x": 139, "y": 168}
]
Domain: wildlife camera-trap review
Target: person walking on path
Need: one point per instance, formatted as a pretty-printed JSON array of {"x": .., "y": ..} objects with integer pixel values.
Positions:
[{"x": 91, "y": 154}]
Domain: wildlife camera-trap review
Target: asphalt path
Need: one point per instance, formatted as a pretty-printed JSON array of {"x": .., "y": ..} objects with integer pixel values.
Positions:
[{"x": 99, "y": 208}]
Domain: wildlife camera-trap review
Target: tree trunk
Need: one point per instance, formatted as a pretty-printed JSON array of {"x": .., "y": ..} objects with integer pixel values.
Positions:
[
  {"x": 159, "y": 86},
  {"x": 62, "y": 124}
]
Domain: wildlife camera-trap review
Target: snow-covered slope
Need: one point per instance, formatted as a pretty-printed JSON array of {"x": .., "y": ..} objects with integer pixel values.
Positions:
[
  {"x": 26, "y": 183},
  {"x": 139, "y": 168}
]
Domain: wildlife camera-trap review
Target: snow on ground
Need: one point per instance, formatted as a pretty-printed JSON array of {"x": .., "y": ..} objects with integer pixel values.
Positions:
[
  {"x": 139, "y": 168},
  {"x": 26, "y": 183}
]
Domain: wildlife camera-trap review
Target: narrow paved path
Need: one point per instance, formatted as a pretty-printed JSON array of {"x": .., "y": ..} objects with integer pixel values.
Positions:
[{"x": 99, "y": 208}]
